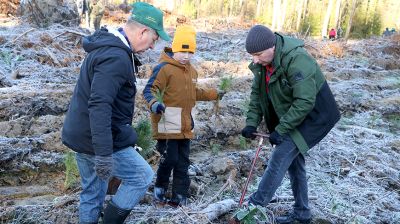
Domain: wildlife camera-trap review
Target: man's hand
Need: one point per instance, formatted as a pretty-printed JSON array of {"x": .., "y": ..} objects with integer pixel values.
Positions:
[
  {"x": 248, "y": 132},
  {"x": 157, "y": 108},
  {"x": 275, "y": 138},
  {"x": 220, "y": 93},
  {"x": 103, "y": 166}
]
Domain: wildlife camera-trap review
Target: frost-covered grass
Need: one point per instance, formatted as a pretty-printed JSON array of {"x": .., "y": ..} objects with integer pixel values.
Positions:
[{"x": 353, "y": 173}]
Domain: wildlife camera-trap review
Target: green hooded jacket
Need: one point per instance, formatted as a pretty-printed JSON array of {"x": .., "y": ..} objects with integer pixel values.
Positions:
[{"x": 301, "y": 98}]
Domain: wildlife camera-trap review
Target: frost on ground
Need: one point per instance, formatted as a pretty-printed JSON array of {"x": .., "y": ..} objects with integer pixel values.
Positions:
[{"x": 353, "y": 173}]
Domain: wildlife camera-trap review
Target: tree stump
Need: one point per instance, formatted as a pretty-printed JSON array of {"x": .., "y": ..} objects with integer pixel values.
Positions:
[
  {"x": 9, "y": 7},
  {"x": 46, "y": 12}
]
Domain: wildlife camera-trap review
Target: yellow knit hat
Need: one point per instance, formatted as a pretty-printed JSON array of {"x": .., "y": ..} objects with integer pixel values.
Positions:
[{"x": 184, "y": 39}]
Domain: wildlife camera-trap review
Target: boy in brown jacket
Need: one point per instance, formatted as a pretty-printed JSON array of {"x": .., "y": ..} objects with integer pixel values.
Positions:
[{"x": 171, "y": 93}]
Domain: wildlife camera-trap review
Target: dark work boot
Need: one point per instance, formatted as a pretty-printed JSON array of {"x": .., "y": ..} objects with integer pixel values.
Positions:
[
  {"x": 178, "y": 200},
  {"x": 159, "y": 196},
  {"x": 114, "y": 215},
  {"x": 291, "y": 219}
]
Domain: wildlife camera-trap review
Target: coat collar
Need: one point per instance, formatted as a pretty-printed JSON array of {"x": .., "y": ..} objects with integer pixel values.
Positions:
[{"x": 167, "y": 56}]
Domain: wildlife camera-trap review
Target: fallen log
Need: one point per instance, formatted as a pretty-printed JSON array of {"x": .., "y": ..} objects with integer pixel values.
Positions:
[{"x": 213, "y": 211}]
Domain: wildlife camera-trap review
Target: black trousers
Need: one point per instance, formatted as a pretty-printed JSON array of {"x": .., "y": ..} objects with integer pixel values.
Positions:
[{"x": 174, "y": 157}]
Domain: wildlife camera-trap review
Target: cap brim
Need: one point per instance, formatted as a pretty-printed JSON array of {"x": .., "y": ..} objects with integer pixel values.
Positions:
[{"x": 163, "y": 35}]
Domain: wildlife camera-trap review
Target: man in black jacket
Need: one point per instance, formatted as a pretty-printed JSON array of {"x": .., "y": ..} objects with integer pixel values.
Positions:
[{"x": 98, "y": 123}]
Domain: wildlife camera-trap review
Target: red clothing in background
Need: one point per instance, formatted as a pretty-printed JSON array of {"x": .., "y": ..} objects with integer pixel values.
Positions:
[{"x": 332, "y": 33}]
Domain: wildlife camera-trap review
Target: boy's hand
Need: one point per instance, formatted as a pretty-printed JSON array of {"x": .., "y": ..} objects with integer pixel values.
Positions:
[
  {"x": 220, "y": 93},
  {"x": 157, "y": 108}
]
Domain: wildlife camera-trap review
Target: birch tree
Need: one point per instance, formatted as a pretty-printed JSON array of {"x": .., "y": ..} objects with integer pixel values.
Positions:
[
  {"x": 398, "y": 21},
  {"x": 305, "y": 6},
  {"x": 338, "y": 13},
  {"x": 350, "y": 23},
  {"x": 276, "y": 13},
  {"x": 243, "y": 10},
  {"x": 231, "y": 4},
  {"x": 300, "y": 4},
  {"x": 197, "y": 4},
  {"x": 282, "y": 17},
  {"x": 258, "y": 8},
  {"x": 326, "y": 20}
]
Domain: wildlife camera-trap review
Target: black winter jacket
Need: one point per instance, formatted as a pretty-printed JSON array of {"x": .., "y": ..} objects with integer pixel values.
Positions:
[{"x": 100, "y": 114}]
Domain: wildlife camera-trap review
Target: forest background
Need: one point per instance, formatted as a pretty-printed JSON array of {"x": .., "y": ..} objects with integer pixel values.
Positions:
[
  {"x": 353, "y": 173},
  {"x": 357, "y": 18}
]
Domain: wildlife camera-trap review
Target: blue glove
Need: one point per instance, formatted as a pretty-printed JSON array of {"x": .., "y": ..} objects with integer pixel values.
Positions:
[
  {"x": 275, "y": 138},
  {"x": 103, "y": 166},
  {"x": 157, "y": 108},
  {"x": 248, "y": 132}
]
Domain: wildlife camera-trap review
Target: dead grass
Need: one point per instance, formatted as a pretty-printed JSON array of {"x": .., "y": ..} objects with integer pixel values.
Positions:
[
  {"x": 396, "y": 38},
  {"x": 327, "y": 49},
  {"x": 335, "y": 48},
  {"x": 353, "y": 172}
]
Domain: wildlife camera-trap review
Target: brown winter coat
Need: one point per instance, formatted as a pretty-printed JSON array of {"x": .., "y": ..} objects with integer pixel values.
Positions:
[{"x": 179, "y": 83}]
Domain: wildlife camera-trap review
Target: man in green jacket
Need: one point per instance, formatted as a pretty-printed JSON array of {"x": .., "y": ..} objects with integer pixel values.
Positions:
[{"x": 290, "y": 92}]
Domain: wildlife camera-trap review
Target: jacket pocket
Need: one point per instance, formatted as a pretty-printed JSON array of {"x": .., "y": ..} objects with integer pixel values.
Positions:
[
  {"x": 124, "y": 136},
  {"x": 287, "y": 89},
  {"x": 171, "y": 121},
  {"x": 131, "y": 88}
]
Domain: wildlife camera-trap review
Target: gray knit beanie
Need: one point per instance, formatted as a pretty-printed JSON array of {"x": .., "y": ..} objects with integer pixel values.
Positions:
[{"x": 259, "y": 38}]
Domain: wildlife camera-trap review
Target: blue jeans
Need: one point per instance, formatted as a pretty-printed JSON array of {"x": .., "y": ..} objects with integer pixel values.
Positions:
[
  {"x": 285, "y": 157},
  {"x": 129, "y": 166}
]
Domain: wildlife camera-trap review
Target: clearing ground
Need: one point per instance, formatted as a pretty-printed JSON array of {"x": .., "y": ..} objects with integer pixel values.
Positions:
[{"x": 354, "y": 173}]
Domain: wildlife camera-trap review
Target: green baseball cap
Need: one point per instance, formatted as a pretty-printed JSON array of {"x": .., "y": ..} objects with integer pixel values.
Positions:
[{"x": 150, "y": 16}]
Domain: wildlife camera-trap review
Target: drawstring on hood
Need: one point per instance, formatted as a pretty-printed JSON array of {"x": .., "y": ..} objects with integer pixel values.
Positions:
[
  {"x": 110, "y": 37},
  {"x": 121, "y": 35}
]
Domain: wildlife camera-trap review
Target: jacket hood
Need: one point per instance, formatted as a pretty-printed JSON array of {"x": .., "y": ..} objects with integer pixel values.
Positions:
[
  {"x": 166, "y": 56},
  {"x": 108, "y": 38},
  {"x": 284, "y": 45},
  {"x": 103, "y": 38}
]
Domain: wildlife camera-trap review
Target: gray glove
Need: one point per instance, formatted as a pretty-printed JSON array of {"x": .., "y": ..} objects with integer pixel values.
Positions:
[{"x": 103, "y": 166}]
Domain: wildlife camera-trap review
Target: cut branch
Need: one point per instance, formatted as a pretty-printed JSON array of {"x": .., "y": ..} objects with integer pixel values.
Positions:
[
  {"x": 23, "y": 34},
  {"x": 70, "y": 31}
]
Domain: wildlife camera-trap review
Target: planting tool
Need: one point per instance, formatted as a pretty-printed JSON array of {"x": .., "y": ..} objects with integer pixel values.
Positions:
[
  {"x": 234, "y": 219},
  {"x": 262, "y": 136}
]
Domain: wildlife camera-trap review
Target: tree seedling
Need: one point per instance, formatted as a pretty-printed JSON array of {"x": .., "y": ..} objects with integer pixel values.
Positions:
[
  {"x": 144, "y": 139},
  {"x": 224, "y": 86},
  {"x": 71, "y": 170},
  {"x": 249, "y": 215},
  {"x": 160, "y": 98}
]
